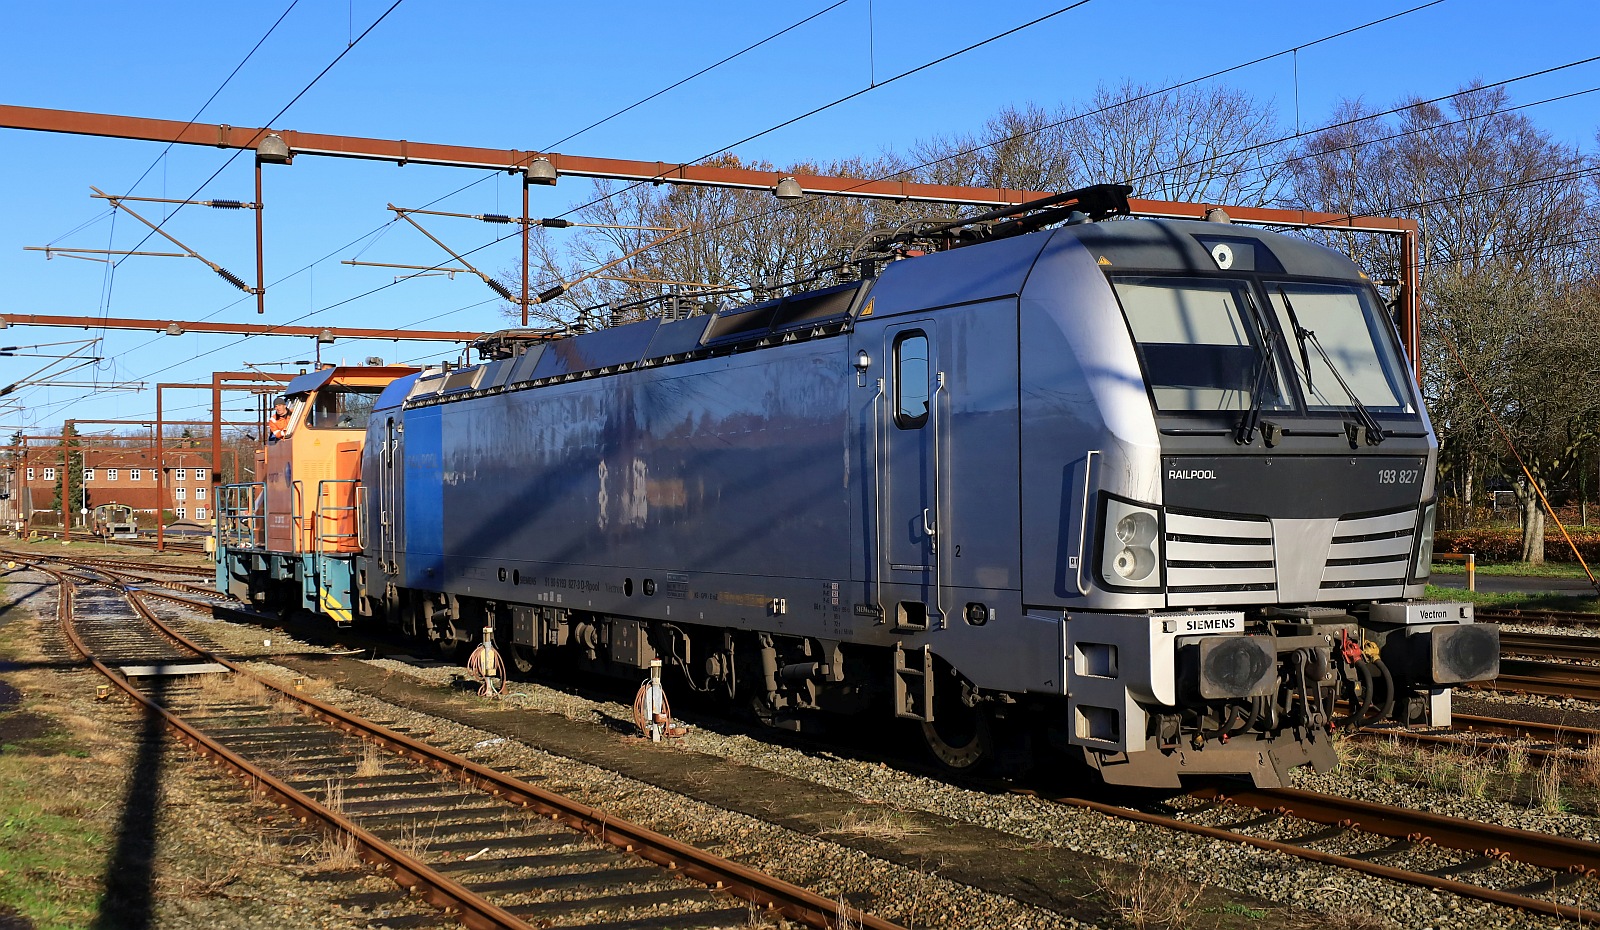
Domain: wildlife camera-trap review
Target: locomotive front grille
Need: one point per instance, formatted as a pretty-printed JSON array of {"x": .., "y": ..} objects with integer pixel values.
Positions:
[
  {"x": 1213, "y": 559},
  {"x": 1370, "y": 555},
  {"x": 1209, "y": 556}
]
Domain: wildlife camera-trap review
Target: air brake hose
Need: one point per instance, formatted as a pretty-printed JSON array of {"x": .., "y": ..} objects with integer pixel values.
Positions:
[
  {"x": 1300, "y": 662},
  {"x": 1388, "y": 690},
  {"x": 1358, "y": 717}
]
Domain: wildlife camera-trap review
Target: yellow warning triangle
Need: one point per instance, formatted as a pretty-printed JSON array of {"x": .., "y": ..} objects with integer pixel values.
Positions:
[{"x": 1104, "y": 260}]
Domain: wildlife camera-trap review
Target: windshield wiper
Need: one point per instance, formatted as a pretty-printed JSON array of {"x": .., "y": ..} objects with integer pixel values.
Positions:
[
  {"x": 1246, "y": 431},
  {"x": 1364, "y": 417}
]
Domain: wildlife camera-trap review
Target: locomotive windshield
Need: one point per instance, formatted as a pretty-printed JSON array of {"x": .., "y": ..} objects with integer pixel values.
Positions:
[
  {"x": 342, "y": 407},
  {"x": 1207, "y": 346},
  {"x": 1347, "y": 325},
  {"x": 1202, "y": 342}
]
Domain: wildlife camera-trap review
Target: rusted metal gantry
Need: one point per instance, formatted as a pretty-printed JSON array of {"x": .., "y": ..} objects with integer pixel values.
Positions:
[
  {"x": 176, "y": 327},
  {"x": 543, "y": 168}
]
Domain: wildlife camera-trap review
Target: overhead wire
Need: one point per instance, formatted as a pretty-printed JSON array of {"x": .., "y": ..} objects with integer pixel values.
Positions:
[
  {"x": 907, "y": 73},
  {"x": 786, "y": 206},
  {"x": 783, "y": 207},
  {"x": 923, "y": 67},
  {"x": 975, "y": 149},
  {"x": 872, "y": 86},
  {"x": 303, "y": 91},
  {"x": 1345, "y": 124},
  {"x": 380, "y": 230},
  {"x": 275, "y": 117},
  {"x": 708, "y": 68},
  {"x": 109, "y": 278}
]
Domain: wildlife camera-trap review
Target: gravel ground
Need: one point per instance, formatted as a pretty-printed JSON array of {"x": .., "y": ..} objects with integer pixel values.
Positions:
[
  {"x": 215, "y": 859},
  {"x": 1347, "y": 898},
  {"x": 912, "y": 898}
]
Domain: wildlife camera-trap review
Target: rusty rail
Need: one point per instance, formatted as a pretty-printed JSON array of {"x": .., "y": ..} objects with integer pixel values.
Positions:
[
  {"x": 775, "y": 895},
  {"x": 406, "y": 870},
  {"x": 1551, "y": 617},
  {"x": 1464, "y": 889}
]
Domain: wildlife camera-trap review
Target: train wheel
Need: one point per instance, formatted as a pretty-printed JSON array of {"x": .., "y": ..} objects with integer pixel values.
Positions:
[
  {"x": 452, "y": 641},
  {"x": 960, "y": 736}
]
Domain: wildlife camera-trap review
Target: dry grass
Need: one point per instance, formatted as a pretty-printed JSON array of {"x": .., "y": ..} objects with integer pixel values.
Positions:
[
  {"x": 1586, "y": 769},
  {"x": 333, "y": 798},
  {"x": 882, "y": 824},
  {"x": 240, "y": 689},
  {"x": 841, "y": 919},
  {"x": 339, "y": 852},
  {"x": 1147, "y": 899},
  {"x": 1547, "y": 787},
  {"x": 412, "y": 841},
  {"x": 370, "y": 763},
  {"x": 209, "y": 883},
  {"x": 1516, "y": 761},
  {"x": 1498, "y": 771}
]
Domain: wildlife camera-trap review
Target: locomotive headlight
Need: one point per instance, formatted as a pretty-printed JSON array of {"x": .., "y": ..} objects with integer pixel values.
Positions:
[
  {"x": 1131, "y": 551},
  {"x": 1421, "y": 566}
]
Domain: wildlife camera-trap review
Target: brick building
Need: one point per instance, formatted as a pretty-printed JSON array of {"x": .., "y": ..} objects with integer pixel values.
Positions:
[{"x": 124, "y": 476}]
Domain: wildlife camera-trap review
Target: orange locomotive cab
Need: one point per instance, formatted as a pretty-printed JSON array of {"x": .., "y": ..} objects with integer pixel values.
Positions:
[{"x": 288, "y": 541}]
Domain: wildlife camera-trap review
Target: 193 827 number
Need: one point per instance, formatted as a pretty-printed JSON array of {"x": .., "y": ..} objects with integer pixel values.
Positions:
[{"x": 1399, "y": 475}]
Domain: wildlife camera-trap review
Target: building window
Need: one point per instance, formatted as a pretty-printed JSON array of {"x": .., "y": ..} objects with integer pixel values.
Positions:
[
  {"x": 133, "y": 473},
  {"x": 200, "y": 493},
  {"x": 182, "y": 493},
  {"x": 88, "y": 474},
  {"x": 30, "y": 474},
  {"x": 199, "y": 513},
  {"x": 49, "y": 474},
  {"x": 199, "y": 474},
  {"x": 182, "y": 513},
  {"x": 111, "y": 474},
  {"x": 183, "y": 474}
]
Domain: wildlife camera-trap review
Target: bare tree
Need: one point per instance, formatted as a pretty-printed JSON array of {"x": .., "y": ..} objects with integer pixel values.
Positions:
[
  {"x": 697, "y": 248},
  {"x": 1501, "y": 209},
  {"x": 1204, "y": 145}
]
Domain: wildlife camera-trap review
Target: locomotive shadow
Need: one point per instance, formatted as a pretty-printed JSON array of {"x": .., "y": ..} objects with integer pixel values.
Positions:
[{"x": 129, "y": 883}]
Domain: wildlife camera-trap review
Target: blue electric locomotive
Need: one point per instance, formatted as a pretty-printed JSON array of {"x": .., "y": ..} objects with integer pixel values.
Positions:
[{"x": 1152, "y": 492}]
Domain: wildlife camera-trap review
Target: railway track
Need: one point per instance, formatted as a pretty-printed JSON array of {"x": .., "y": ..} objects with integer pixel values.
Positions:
[
  {"x": 1537, "y": 617},
  {"x": 491, "y": 850},
  {"x": 1517, "y": 868},
  {"x": 1507, "y": 733}
]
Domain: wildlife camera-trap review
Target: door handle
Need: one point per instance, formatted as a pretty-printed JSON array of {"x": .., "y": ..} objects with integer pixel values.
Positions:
[{"x": 931, "y": 529}]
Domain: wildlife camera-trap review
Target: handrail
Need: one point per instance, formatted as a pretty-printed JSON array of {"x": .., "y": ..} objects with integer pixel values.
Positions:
[
  {"x": 937, "y": 526},
  {"x": 237, "y": 520},
  {"x": 297, "y": 527},
  {"x": 1083, "y": 520},
  {"x": 880, "y": 560},
  {"x": 321, "y": 513}
]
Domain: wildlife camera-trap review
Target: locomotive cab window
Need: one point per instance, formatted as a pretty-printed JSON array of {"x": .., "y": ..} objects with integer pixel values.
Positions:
[
  {"x": 911, "y": 380},
  {"x": 1203, "y": 345},
  {"x": 1344, "y": 325},
  {"x": 342, "y": 407}
]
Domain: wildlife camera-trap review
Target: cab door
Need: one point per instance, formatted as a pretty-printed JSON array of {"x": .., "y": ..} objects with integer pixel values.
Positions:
[{"x": 910, "y": 427}]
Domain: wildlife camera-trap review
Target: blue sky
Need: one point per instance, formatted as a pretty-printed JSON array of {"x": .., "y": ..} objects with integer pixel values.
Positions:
[{"x": 527, "y": 75}]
